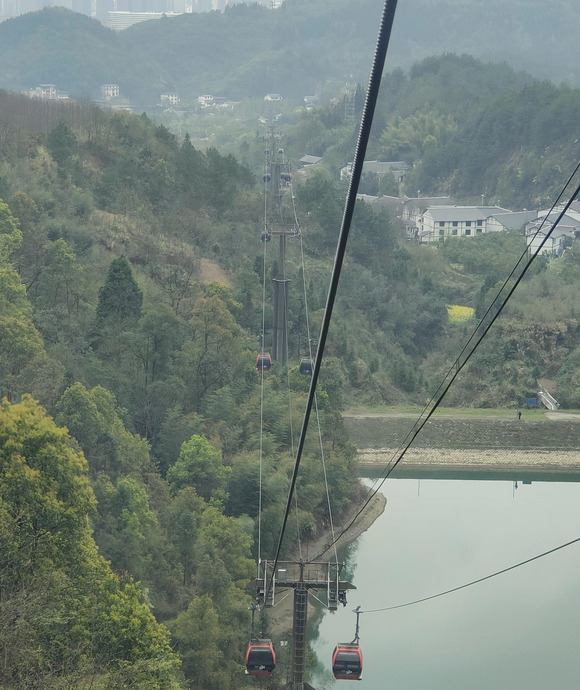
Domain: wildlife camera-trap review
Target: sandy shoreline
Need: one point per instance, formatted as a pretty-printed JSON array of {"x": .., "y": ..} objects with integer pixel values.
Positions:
[{"x": 501, "y": 462}]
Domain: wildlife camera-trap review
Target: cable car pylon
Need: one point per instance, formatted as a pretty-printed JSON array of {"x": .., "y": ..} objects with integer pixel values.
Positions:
[
  {"x": 302, "y": 577},
  {"x": 276, "y": 179}
]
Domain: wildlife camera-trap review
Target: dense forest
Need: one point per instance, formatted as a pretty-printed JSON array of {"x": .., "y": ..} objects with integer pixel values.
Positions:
[
  {"x": 131, "y": 278},
  {"x": 304, "y": 47},
  {"x": 148, "y": 369}
]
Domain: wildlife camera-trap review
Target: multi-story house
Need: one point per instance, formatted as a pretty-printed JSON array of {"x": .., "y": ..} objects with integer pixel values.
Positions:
[{"x": 442, "y": 222}]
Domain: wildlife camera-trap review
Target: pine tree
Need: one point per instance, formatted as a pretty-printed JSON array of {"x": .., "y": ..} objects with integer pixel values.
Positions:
[{"x": 120, "y": 297}]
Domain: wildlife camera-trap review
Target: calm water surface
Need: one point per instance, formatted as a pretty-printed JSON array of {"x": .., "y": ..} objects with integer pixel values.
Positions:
[{"x": 518, "y": 630}]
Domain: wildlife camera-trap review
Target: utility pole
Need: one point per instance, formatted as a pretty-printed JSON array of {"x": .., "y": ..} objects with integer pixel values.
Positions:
[{"x": 302, "y": 577}]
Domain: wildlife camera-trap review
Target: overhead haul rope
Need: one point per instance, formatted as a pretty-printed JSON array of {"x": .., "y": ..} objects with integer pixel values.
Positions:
[
  {"x": 458, "y": 364},
  {"x": 364, "y": 134},
  {"x": 317, "y": 412},
  {"x": 292, "y": 450},
  {"x": 277, "y": 204},
  {"x": 262, "y": 338},
  {"x": 299, "y": 540},
  {"x": 475, "y": 582}
]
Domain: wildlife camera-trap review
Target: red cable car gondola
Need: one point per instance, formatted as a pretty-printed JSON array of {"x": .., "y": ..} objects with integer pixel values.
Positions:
[
  {"x": 263, "y": 361},
  {"x": 260, "y": 658},
  {"x": 347, "y": 662}
]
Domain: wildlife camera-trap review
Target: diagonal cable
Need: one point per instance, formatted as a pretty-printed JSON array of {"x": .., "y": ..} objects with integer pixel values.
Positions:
[{"x": 363, "y": 138}]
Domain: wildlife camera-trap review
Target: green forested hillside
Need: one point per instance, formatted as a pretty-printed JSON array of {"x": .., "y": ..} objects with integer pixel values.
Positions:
[
  {"x": 65, "y": 616},
  {"x": 131, "y": 305},
  {"x": 107, "y": 321},
  {"x": 304, "y": 47}
]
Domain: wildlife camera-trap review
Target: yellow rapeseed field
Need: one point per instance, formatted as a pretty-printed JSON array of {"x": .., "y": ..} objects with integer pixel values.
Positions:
[{"x": 457, "y": 313}]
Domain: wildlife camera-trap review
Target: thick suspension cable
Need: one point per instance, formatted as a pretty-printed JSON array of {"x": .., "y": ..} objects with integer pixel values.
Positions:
[
  {"x": 386, "y": 26},
  {"x": 292, "y": 451}
]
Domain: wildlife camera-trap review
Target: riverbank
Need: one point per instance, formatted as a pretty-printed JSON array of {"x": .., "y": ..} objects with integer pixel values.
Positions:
[
  {"x": 495, "y": 463},
  {"x": 281, "y": 615}
]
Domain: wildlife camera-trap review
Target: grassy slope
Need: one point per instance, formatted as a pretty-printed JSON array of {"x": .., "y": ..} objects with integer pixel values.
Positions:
[{"x": 465, "y": 428}]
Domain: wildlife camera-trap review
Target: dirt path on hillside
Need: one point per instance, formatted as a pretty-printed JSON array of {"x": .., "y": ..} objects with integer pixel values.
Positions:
[{"x": 212, "y": 272}]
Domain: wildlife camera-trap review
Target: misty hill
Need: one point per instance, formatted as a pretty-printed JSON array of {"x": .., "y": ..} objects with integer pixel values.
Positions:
[
  {"x": 76, "y": 53},
  {"x": 303, "y": 47}
]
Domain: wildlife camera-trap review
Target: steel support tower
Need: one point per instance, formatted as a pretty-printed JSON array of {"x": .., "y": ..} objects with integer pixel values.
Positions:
[
  {"x": 302, "y": 577},
  {"x": 277, "y": 176}
]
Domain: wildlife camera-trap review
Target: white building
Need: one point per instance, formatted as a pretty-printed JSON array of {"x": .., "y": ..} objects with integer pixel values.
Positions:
[
  {"x": 109, "y": 91},
  {"x": 442, "y": 222},
  {"x": 415, "y": 207},
  {"x": 516, "y": 220},
  {"x": 169, "y": 99},
  {"x": 119, "y": 20},
  {"x": 47, "y": 92},
  {"x": 554, "y": 245},
  {"x": 307, "y": 160},
  {"x": 567, "y": 230}
]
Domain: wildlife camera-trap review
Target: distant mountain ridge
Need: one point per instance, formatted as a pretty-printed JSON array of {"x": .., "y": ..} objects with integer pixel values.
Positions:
[{"x": 298, "y": 49}]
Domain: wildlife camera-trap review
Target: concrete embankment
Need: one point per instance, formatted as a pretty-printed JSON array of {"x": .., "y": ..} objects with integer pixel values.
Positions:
[
  {"x": 434, "y": 463},
  {"x": 541, "y": 448}
]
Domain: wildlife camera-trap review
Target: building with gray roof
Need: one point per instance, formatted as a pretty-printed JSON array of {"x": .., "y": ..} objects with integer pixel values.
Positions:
[{"x": 442, "y": 222}]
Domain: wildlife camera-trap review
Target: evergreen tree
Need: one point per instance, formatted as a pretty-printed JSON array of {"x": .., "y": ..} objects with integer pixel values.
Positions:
[{"x": 120, "y": 297}]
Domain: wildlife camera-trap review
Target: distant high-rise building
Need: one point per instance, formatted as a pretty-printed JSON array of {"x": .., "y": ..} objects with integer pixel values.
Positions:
[{"x": 101, "y": 9}]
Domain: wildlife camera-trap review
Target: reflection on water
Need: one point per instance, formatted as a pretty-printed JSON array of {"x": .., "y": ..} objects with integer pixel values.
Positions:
[{"x": 518, "y": 630}]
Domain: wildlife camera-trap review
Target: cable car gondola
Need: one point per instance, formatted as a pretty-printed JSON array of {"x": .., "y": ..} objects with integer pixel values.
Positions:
[
  {"x": 263, "y": 361},
  {"x": 306, "y": 366},
  {"x": 260, "y": 658},
  {"x": 347, "y": 662}
]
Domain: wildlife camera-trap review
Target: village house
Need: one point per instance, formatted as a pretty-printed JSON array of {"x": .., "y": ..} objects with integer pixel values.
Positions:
[
  {"x": 415, "y": 207},
  {"x": 442, "y": 222},
  {"x": 110, "y": 91},
  {"x": 568, "y": 229},
  {"x": 169, "y": 99},
  {"x": 384, "y": 201},
  {"x": 47, "y": 92},
  {"x": 309, "y": 160},
  {"x": 510, "y": 220},
  {"x": 378, "y": 168}
]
